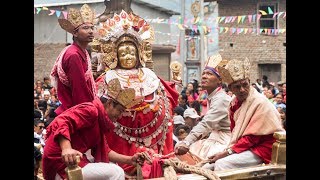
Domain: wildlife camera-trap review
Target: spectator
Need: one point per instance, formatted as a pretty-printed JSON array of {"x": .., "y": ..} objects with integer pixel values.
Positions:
[
  {"x": 46, "y": 84},
  {"x": 191, "y": 117}
]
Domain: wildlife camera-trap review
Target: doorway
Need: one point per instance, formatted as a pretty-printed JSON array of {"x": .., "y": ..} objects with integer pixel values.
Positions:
[{"x": 272, "y": 71}]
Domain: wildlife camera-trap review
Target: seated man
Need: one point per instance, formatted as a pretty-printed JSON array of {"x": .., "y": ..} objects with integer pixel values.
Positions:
[
  {"x": 83, "y": 127},
  {"x": 214, "y": 123},
  {"x": 253, "y": 118}
]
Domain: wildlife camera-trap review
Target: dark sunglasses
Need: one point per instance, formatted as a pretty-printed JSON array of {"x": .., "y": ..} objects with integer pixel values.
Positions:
[{"x": 41, "y": 127}]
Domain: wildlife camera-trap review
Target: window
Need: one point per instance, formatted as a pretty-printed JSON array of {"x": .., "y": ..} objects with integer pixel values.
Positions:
[{"x": 266, "y": 20}]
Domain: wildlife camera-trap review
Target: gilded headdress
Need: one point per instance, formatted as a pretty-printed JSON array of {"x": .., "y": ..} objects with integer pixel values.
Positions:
[
  {"x": 235, "y": 70},
  {"x": 213, "y": 62},
  {"x": 76, "y": 18},
  {"x": 124, "y": 96},
  {"x": 124, "y": 27}
]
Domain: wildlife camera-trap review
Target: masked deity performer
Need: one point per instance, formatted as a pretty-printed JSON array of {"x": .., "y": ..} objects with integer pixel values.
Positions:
[{"x": 123, "y": 47}]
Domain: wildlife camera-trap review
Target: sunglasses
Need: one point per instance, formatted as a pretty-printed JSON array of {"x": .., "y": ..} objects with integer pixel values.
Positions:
[{"x": 41, "y": 127}]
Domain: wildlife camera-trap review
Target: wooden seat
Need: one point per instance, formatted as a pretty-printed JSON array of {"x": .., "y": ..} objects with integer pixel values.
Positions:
[{"x": 276, "y": 170}]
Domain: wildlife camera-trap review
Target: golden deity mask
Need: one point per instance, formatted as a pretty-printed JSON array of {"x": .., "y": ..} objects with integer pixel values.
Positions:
[{"x": 122, "y": 28}]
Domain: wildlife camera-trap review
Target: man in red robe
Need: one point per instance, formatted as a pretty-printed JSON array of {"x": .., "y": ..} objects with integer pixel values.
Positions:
[
  {"x": 253, "y": 118},
  {"x": 83, "y": 127},
  {"x": 71, "y": 74}
]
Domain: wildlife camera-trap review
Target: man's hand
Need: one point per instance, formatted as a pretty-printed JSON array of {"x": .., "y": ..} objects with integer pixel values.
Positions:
[
  {"x": 214, "y": 158},
  {"x": 137, "y": 158},
  {"x": 181, "y": 148},
  {"x": 69, "y": 156}
]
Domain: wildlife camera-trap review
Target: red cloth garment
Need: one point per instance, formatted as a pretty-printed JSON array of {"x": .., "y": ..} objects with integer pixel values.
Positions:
[
  {"x": 76, "y": 87},
  {"x": 84, "y": 125},
  {"x": 259, "y": 145},
  {"x": 143, "y": 119},
  {"x": 231, "y": 112}
]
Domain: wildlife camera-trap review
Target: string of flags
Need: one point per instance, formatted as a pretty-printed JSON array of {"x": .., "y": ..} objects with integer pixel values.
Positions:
[{"x": 196, "y": 23}]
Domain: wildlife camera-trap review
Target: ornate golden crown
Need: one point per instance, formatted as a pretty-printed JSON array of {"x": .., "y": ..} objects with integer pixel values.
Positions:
[
  {"x": 124, "y": 27},
  {"x": 235, "y": 70},
  {"x": 125, "y": 97},
  {"x": 214, "y": 61},
  {"x": 77, "y": 17}
]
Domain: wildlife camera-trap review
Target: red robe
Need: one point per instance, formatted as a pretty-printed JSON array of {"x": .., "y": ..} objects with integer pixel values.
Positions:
[
  {"x": 74, "y": 64},
  {"x": 259, "y": 145},
  {"x": 122, "y": 146},
  {"x": 84, "y": 125}
]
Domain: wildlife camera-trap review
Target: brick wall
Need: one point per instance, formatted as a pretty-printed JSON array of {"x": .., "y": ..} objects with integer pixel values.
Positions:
[
  {"x": 260, "y": 49},
  {"x": 44, "y": 57}
]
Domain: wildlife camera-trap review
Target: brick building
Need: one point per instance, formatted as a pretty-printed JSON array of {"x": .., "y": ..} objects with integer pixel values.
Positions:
[{"x": 265, "y": 50}]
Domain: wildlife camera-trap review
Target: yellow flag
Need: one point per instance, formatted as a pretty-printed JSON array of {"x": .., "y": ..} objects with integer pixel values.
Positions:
[
  {"x": 245, "y": 30},
  {"x": 226, "y": 29},
  {"x": 204, "y": 29},
  {"x": 180, "y": 27},
  {"x": 217, "y": 20},
  {"x": 263, "y": 12},
  {"x": 239, "y": 19},
  {"x": 45, "y": 8}
]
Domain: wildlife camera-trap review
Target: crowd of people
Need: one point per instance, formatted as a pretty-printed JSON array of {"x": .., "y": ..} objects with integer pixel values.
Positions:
[{"x": 116, "y": 119}]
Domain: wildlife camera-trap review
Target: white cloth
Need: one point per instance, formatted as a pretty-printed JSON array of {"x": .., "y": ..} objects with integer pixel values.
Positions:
[
  {"x": 216, "y": 117},
  {"x": 40, "y": 137},
  {"x": 178, "y": 119},
  {"x": 215, "y": 143},
  {"x": 100, "y": 171},
  {"x": 174, "y": 137},
  {"x": 149, "y": 80},
  {"x": 233, "y": 161}
]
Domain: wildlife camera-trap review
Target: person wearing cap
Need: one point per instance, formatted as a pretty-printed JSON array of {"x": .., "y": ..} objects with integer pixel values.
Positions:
[
  {"x": 191, "y": 117},
  {"x": 177, "y": 121},
  {"x": 83, "y": 127},
  {"x": 215, "y": 122},
  {"x": 71, "y": 74},
  {"x": 253, "y": 118}
]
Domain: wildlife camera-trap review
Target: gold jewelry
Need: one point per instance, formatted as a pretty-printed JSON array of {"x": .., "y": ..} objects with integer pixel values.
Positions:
[{"x": 132, "y": 76}]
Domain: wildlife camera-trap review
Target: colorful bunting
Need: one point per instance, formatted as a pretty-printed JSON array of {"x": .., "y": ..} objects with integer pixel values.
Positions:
[
  {"x": 221, "y": 19},
  {"x": 65, "y": 14},
  {"x": 245, "y": 30},
  {"x": 58, "y": 13},
  {"x": 249, "y": 18},
  {"x": 197, "y": 25},
  {"x": 239, "y": 19},
  {"x": 227, "y": 29},
  {"x": 270, "y": 10},
  {"x": 263, "y": 12},
  {"x": 51, "y": 12},
  {"x": 234, "y": 18},
  {"x": 280, "y": 13},
  {"x": 38, "y": 10},
  {"x": 243, "y": 17},
  {"x": 274, "y": 15},
  {"x": 254, "y": 18},
  {"x": 217, "y": 19}
]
